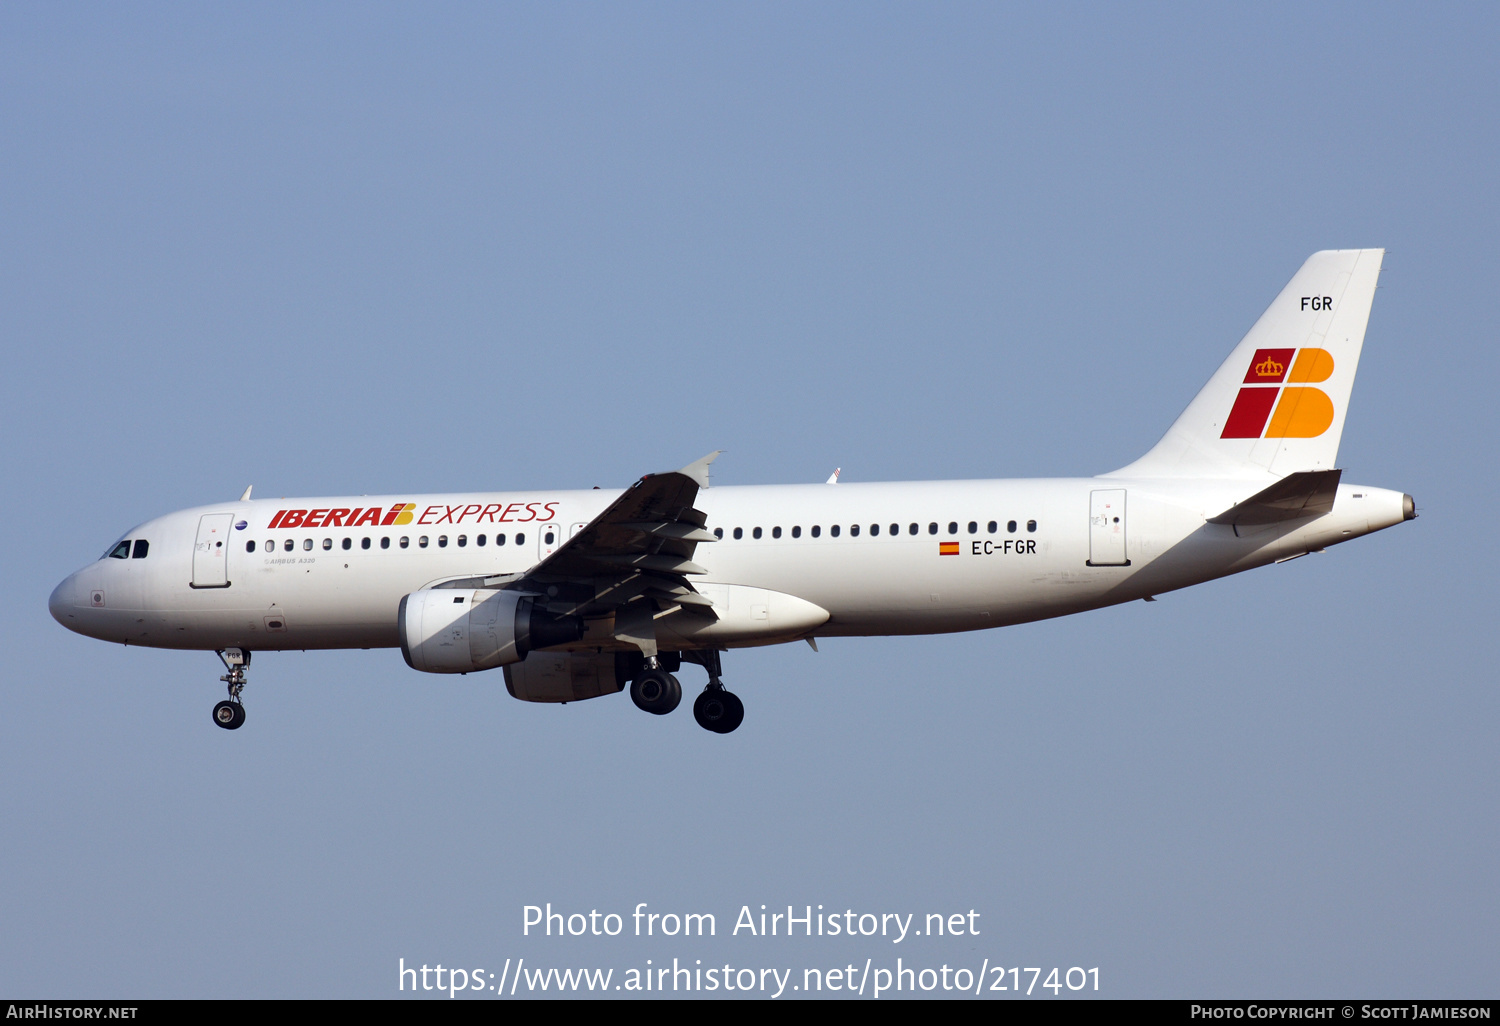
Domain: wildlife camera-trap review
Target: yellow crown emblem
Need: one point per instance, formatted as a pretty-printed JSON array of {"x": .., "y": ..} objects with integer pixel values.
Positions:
[{"x": 1269, "y": 368}]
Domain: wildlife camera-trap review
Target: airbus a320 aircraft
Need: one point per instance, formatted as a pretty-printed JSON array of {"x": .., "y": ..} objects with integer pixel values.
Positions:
[{"x": 578, "y": 593}]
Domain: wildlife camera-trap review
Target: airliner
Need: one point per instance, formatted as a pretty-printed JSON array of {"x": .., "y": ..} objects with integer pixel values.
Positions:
[{"x": 578, "y": 594}]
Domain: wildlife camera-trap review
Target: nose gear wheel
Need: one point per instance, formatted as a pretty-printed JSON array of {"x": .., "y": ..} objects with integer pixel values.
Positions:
[{"x": 230, "y": 714}]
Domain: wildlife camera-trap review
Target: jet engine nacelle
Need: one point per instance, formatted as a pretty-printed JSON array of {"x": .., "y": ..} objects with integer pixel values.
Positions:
[
  {"x": 451, "y": 630},
  {"x": 569, "y": 676}
]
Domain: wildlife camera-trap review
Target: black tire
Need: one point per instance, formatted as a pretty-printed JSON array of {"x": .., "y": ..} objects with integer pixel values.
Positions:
[
  {"x": 710, "y": 709},
  {"x": 229, "y": 715},
  {"x": 656, "y": 692},
  {"x": 735, "y": 715},
  {"x": 718, "y": 710}
]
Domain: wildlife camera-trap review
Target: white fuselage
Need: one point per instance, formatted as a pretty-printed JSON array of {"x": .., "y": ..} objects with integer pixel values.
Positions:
[{"x": 250, "y": 585}]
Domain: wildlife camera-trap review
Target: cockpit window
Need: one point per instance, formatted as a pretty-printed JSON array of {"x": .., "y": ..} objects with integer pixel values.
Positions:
[
  {"x": 120, "y": 551},
  {"x": 142, "y": 546}
]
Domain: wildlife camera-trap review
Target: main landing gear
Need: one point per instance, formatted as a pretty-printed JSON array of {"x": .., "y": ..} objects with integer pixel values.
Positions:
[
  {"x": 717, "y": 709},
  {"x": 231, "y": 714},
  {"x": 657, "y": 691}
]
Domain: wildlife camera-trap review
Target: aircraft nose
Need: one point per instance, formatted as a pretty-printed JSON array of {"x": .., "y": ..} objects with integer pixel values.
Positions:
[{"x": 60, "y": 605}]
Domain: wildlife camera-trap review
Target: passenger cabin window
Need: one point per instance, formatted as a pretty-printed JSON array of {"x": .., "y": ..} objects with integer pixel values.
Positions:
[
  {"x": 288, "y": 545},
  {"x": 1011, "y": 526},
  {"x": 499, "y": 540},
  {"x": 327, "y": 544},
  {"x": 952, "y": 527},
  {"x": 364, "y": 543},
  {"x": 348, "y": 544},
  {"x": 442, "y": 541},
  {"x": 141, "y": 548},
  {"x": 385, "y": 543},
  {"x": 1031, "y": 525},
  {"x": 874, "y": 530},
  {"x": 833, "y": 532},
  {"x": 932, "y": 528},
  {"x": 306, "y": 544},
  {"x": 895, "y": 530},
  {"x": 463, "y": 541},
  {"x": 775, "y": 532},
  {"x": 853, "y": 530},
  {"x": 739, "y": 532},
  {"x": 520, "y": 538},
  {"x": 479, "y": 541},
  {"x": 994, "y": 527},
  {"x": 797, "y": 532},
  {"x": 756, "y": 533},
  {"x": 120, "y": 551},
  {"x": 973, "y": 527},
  {"x": 549, "y": 539},
  {"x": 816, "y": 530},
  {"x": 719, "y": 533},
  {"x": 422, "y": 542},
  {"x": 913, "y": 529},
  {"x": 250, "y": 546}
]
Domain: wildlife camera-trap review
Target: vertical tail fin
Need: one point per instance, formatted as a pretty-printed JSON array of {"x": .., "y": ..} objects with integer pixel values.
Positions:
[{"x": 1277, "y": 405}]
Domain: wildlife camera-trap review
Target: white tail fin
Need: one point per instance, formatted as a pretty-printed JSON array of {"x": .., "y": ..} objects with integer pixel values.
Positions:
[{"x": 1277, "y": 405}]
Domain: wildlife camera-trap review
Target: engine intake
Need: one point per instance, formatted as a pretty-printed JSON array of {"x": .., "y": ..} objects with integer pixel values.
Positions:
[{"x": 446, "y": 630}]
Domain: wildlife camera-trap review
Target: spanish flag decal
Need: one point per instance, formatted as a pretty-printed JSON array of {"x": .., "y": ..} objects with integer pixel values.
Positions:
[{"x": 947, "y": 548}]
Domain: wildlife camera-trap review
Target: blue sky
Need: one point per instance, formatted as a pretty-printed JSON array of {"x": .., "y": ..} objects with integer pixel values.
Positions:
[{"x": 372, "y": 249}]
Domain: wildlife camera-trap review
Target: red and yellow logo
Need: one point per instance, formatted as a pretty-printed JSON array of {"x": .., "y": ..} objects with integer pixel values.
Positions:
[
  {"x": 947, "y": 548},
  {"x": 1300, "y": 412},
  {"x": 374, "y": 516}
]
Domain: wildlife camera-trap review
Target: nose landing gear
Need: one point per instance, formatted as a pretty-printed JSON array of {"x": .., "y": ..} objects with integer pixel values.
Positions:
[{"x": 231, "y": 714}]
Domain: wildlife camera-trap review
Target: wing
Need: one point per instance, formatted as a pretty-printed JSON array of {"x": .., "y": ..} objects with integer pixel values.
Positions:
[{"x": 632, "y": 562}]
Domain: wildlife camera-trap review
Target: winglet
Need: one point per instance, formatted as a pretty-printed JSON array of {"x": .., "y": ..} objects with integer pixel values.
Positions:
[
  {"x": 834, "y": 477},
  {"x": 698, "y": 469},
  {"x": 246, "y": 496}
]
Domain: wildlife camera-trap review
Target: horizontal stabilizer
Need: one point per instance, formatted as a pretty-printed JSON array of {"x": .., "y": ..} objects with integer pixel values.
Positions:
[{"x": 1308, "y": 493}]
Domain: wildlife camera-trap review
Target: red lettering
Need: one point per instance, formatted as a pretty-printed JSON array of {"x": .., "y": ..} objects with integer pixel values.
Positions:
[
  {"x": 505, "y": 517},
  {"x": 488, "y": 513},
  {"x": 531, "y": 508},
  {"x": 294, "y": 518},
  {"x": 335, "y": 518},
  {"x": 467, "y": 511},
  {"x": 353, "y": 515},
  {"x": 315, "y": 518},
  {"x": 390, "y": 517},
  {"x": 429, "y": 511},
  {"x": 370, "y": 516},
  {"x": 277, "y": 518},
  {"x": 551, "y": 510}
]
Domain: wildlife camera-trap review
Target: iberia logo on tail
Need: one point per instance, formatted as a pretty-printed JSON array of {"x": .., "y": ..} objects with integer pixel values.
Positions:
[{"x": 1278, "y": 380}]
